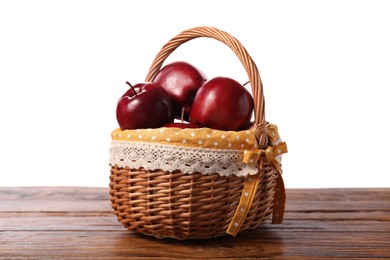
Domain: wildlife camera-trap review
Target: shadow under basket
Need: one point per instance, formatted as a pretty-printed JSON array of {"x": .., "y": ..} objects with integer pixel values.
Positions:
[{"x": 186, "y": 206}]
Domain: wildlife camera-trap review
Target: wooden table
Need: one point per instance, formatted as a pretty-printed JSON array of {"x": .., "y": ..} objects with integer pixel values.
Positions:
[{"x": 78, "y": 223}]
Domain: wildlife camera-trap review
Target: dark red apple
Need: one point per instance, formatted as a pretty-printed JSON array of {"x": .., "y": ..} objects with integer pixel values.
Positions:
[
  {"x": 146, "y": 105},
  {"x": 181, "y": 125},
  {"x": 222, "y": 103},
  {"x": 247, "y": 126},
  {"x": 181, "y": 80}
]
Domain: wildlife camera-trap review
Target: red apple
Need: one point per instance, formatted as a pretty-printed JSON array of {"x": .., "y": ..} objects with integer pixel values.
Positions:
[
  {"x": 181, "y": 125},
  {"x": 247, "y": 126},
  {"x": 181, "y": 80},
  {"x": 146, "y": 105},
  {"x": 222, "y": 103}
]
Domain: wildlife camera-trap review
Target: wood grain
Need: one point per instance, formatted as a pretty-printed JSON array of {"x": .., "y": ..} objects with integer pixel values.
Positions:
[{"x": 78, "y": 223}]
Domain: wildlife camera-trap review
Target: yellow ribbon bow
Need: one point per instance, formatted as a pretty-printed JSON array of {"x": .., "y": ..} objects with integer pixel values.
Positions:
[{"x": 255, "y": 156}]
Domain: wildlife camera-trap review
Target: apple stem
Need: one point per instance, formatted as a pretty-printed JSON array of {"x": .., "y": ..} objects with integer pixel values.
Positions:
[
  {"x": 131, "y": 86},
  {"x": 182, "y": 115},
  {"x": 246, "y": 83}
]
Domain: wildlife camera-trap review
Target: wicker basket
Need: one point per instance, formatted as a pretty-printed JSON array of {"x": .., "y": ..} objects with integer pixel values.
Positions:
[{"x": 179, "y": 202}]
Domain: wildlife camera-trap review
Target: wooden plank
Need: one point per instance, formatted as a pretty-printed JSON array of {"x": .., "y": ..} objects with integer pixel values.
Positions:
[
  {"x": 348, "y": 194},
  {"x": 97, "y": 222},
  {"x": 78, "y": 223},
  {"x": 109, "y": 244},
  {"x": 53, "y": 193},
  {"x": 91, "y": 193},
  {"x": 55, "y": 205},
  {"x": 104, "y": 205}
]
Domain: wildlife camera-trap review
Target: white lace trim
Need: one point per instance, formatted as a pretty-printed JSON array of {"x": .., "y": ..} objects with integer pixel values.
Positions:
[{"x": 189, "y": 160}]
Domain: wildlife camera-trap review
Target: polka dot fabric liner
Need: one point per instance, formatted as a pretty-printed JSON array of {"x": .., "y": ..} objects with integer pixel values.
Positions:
[{"x": 190, "y": 137}]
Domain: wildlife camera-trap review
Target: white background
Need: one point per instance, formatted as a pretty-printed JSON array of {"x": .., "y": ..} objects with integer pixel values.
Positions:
[{"x": 325, "y": 66}]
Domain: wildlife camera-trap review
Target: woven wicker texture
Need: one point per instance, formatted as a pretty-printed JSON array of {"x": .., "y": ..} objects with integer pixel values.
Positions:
[
  {"x": 184, "y": 206},
  {"x": 194, "y": 206}
]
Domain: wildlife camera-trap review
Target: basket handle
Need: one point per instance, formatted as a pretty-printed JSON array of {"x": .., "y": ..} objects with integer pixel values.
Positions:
[{"x": 259, "y": 127}]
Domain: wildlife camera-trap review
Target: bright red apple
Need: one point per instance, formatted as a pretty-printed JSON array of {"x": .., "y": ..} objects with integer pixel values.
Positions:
[
  {"x": 181, "y": 80},
  {"x": 222, "y": 103},
  {"x": 146, "y": 105}
]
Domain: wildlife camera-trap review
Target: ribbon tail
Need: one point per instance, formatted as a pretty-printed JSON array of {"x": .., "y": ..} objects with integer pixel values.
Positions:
[
  {"x": 279, "y": 200},
  {"x": 246, "y": 200}
]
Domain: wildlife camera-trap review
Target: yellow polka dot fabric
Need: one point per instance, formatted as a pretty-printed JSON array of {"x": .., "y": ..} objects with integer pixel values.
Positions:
[{"x": 190, "y": 137}]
